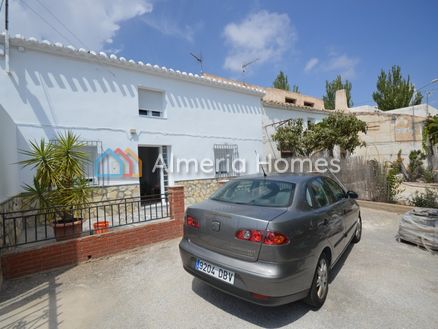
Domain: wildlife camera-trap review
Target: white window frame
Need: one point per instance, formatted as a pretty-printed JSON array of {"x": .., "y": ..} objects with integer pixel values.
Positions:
[
  {"x": 149, "y": 112},
  {"x": 221, "y": 153}
]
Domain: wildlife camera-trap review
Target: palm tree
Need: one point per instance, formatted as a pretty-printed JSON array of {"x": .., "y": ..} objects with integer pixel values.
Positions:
[{"x": 59, "y": 182}]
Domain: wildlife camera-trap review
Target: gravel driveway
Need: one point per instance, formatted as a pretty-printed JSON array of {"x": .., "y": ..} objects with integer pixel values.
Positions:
[{"x": 379, "y": 284}]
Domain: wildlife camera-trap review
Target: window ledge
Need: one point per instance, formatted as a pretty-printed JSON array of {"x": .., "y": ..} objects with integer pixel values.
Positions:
[{"x": 151, "y": 117}]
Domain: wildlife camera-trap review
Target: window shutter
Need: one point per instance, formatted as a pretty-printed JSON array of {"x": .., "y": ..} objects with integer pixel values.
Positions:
[{"x": 150, "y": 100}]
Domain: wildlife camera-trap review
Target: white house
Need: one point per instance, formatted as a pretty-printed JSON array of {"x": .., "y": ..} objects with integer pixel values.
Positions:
[{"x": 122, "y": 108}]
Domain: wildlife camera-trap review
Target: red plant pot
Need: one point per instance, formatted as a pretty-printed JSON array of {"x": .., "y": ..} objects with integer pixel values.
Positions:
[
  {"x": 101, "y": 227},
  {"x": 69, "y": 230}
]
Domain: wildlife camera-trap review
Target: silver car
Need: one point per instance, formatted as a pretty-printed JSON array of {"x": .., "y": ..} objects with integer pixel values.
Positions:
[{"x": 271, "y": 240}]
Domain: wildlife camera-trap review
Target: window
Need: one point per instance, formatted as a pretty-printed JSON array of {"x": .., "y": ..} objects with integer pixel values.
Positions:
[
  {"x": 150, "y": 103},
  {"x": 328, "y": 192},
  {"x": 290, "y": 100},
  {"x": 317, "y": 194},
  {"x": 309, "y": 198},
  {"x": 286, "y": 154},
  {"x": 92, "y": 152},
  {"x": 309, "y": 104},
  {"x": 224, "y": 158},
  {"x": 257, "y": 192},
  {"x": 337, "y": 190}
]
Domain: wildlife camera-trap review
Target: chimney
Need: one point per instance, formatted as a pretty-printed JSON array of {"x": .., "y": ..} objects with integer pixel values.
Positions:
[{"x": 341, "y": 101}]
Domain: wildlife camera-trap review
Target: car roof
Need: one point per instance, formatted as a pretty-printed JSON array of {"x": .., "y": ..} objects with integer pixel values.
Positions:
[{"x": 286, "y": 177}]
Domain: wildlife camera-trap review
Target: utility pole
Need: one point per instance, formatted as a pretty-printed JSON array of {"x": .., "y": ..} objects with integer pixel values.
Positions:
[{"x": 7, "y": 37}]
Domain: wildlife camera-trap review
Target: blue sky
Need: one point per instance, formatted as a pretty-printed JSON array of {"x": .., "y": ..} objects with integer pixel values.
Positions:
[{"x": 311, "y": 41}]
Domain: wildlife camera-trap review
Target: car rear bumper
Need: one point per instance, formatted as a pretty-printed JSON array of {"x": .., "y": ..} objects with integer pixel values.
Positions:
[{"x": 257, "y": 282}]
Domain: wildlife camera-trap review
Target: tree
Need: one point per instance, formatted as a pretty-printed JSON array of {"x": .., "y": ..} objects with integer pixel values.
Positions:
[
  {"x": 289, "y": 137},
  {"x": 341, "y": 129},
  {"x": 338, "y": 128},
  {"x": 281, "y": 82},
  {"x": 332, "y": 87},
  {"x": 295, "y": 89},
  {"x": 393, "y": 91}
]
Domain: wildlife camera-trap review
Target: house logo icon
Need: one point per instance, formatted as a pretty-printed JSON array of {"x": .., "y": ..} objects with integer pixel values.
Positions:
[{"x": 118, "y": 164}]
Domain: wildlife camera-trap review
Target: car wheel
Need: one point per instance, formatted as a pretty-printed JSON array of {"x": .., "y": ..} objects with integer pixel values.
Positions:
[
  {"x": 318, "y": 291},
  {"x": 358, "y": 233}
]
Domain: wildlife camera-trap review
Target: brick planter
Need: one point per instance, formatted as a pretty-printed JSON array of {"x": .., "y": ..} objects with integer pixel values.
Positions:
[{"x": 32, "y": 259}]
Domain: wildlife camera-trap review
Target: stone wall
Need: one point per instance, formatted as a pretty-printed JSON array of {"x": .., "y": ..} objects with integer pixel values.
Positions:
[
  {"x": 407, "y": 191},
  {"x": 388, "y": 133},
  {"x": 13, "y": 204},
  {"x": 115, "y": 192},
  {"x": 200, "y": 189}
]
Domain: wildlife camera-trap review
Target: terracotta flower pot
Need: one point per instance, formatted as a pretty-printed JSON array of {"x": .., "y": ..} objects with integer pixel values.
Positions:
[
  {"x": 101, "y": 227},
  {"x": 68, "y": 230}
]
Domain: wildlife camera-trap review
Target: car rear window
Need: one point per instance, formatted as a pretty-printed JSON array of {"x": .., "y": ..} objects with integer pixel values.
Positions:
[{"x": 258, "y": 192}]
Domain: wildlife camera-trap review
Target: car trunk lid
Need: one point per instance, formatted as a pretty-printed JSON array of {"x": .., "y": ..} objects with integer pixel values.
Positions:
[{"x": 219, "y": 222}]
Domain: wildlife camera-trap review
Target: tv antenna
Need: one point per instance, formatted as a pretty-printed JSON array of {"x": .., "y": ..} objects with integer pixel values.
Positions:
[
  {"x": 261, "y": 165},
  {"x": 199, "y": 59},
  {"x": 244, "y": 66}
]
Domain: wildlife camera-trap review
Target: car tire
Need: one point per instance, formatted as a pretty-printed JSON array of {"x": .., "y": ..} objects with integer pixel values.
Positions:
[
  {"x": 319, "y": 289},
  {"x": 358, "y": 234}
]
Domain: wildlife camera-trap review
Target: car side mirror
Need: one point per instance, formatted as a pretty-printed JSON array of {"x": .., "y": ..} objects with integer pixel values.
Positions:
[{"x": 352, "y": 195}]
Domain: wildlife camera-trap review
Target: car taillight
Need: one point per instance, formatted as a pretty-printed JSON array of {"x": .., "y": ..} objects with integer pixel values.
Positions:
[
  {"x": 193, "y": 222},
  {"x": 249, "y": 235},
  {"x": 270, "y": 238},
  {"x": 275, "y": 238}
]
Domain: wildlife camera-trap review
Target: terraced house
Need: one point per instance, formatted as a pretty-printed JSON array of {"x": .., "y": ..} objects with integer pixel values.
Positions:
[{"x": 129, "y": 112}]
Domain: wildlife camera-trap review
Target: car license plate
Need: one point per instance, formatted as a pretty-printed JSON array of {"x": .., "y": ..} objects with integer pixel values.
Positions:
[{"x": 215, "y": 271}]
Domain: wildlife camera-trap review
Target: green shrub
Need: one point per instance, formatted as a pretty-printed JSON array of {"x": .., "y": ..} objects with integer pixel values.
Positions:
[
  {"x": 393, "y": 179},
  {"x": 415, "y": 167},
  {"x": 428, "y": 199},
  {"x": 428, "y": 176},
  {"x": 393, "y": 184}
]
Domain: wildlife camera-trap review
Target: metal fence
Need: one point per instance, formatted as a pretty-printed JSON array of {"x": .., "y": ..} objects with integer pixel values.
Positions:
[{"x": 30, "y": 226}]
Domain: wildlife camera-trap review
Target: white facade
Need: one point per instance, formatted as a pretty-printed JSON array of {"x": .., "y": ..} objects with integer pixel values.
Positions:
[{"x": 51, "y": 89}]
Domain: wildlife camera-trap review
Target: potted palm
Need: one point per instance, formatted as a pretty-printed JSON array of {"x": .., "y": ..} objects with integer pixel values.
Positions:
[{"x": 59, "y": 187}]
